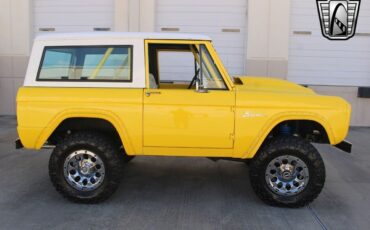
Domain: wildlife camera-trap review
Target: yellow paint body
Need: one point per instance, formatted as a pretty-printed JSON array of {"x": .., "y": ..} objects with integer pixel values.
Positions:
[{"x": 181, "y": 122}]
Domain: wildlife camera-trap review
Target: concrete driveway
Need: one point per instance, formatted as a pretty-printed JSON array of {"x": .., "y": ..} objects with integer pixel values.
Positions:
[{"x": 181, "y": 193}]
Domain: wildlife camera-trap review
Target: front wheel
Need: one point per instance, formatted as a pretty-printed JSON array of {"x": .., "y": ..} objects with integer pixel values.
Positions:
[
  {"x": 288, "y": 171},
  {"x": 86, "y": 167}
]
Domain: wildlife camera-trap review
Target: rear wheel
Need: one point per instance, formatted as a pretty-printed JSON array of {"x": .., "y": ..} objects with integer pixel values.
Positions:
[
  {"x": 288, "y": 171},
  {"x": 86, "y": 167}
]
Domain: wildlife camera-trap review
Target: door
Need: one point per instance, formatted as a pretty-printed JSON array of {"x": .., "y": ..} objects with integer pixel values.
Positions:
[
  {"x": 185, "y": 118},
  {"x": 179, "y": 116}
]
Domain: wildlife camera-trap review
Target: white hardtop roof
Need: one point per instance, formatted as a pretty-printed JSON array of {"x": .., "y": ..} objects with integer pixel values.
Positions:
[{"x": 120, "y": 35}]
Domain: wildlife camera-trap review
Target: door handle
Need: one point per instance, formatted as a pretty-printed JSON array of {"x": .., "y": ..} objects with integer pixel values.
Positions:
[{"x": 149, "y": 93}]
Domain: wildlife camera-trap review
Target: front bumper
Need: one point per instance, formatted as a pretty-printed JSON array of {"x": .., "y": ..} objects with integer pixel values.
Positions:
[{"x": 345, "y": 146}]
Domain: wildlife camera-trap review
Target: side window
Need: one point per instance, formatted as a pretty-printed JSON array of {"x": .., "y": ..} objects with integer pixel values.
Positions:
[
  {"x": 176, "y": 66},
  {"x": 56, "y": 64},
  {"x": 211, "y": 77},
  {"x": 183, "y": 66},
  {"x": 85, "y": 63}
]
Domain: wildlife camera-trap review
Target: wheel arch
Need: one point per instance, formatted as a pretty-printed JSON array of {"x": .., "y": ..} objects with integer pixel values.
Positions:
[
  {"x": 306, "y": 119},
  {"x": 106, "y": 117}
]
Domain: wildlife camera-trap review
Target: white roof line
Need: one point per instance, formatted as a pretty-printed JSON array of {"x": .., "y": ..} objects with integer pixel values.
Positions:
[{"x": 119, "y": 35}]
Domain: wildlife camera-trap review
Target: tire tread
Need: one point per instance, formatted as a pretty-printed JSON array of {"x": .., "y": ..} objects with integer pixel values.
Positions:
[
  {"x": 266, "y": 154},
  {"x": 113, "y": 161}
]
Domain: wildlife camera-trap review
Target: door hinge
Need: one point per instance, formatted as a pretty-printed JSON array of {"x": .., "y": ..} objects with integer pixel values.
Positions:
[{"x": 232, "y": 136}]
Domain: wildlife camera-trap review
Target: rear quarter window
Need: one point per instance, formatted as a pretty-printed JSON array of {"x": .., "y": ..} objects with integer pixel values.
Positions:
[{"x": 86, "y": 63}]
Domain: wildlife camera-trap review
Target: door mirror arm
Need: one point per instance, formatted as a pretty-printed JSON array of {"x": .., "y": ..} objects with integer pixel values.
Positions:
[{"x": 201, "y": 90}]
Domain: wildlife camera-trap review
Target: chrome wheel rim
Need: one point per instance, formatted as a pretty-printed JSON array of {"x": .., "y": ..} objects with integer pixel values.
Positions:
[
  {"x": 84, "y": 170},
  {"x": 287, "y": 175}
]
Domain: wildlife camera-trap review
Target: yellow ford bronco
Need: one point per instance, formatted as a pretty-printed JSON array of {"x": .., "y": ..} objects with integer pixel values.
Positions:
[{"x": 99, "y": 99}]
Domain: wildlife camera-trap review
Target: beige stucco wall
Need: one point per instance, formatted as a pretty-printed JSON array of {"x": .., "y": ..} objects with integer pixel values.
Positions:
[
  {"x": 134, "y": 15},
  {"x": 15, "y": 37},
  {"x": 268, "y": 38}
]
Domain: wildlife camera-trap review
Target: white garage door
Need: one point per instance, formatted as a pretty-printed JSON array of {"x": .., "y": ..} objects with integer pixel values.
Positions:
[
  {"x": 73, "y": 15},
  {"x": 224, "y": 21},
  {"x": 316, "y": 60}
]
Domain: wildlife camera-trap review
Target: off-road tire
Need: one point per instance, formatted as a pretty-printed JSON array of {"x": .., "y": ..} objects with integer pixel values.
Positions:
[
  {"x": 97, "y": 143},
  {"x": 288, "y": 146}
]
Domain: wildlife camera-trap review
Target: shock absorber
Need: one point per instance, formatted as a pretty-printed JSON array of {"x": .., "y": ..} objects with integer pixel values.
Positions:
[{"x": 285, "y": 130}]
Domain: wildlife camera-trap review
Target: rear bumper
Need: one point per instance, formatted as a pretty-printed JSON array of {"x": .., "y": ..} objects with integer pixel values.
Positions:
[
  {"x": 345, "y": 146},
  {"x": 18, "y": 144}
]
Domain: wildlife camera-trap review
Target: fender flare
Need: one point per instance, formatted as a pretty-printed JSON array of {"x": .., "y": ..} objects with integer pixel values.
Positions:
[
  {"x": 86, "y": 113},
  {"x": 285, "y": 116}
]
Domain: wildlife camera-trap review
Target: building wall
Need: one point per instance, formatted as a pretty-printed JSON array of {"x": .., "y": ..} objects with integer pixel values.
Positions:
[
  {"x": 268, "y": 38},
  {"x": 15, "y": 38},
  {"x": 134, "y": 15},
  {"x": 267, "y": 45}
]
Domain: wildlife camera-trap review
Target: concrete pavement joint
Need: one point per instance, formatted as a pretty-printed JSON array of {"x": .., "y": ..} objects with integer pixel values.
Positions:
[{"x": 317, "y": 217}]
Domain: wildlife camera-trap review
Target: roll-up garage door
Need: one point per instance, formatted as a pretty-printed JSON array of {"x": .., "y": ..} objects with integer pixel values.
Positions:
[
  {"x": 315, "y": 60},
  {"x": 224, "y": 21},
  {"x": 73, "y": 15}
]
